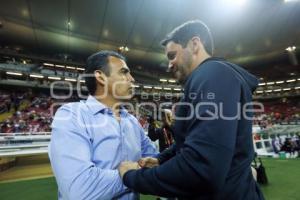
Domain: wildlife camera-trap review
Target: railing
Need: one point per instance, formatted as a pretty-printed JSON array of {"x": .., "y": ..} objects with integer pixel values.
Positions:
[
  {"x": 24, "y": 144},
  {"x": 25, "y": 133}
]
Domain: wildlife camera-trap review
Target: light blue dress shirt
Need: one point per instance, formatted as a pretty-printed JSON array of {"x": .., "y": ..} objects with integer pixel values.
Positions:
[{"x": 88, "y": 144}]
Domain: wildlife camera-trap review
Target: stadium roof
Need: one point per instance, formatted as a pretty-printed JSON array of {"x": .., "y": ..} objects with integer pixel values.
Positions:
[{"x": 256, "y": 32}]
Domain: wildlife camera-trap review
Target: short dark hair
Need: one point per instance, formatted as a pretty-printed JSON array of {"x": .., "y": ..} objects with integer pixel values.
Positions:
[
  {"x": 98, "y": 61},
  {"x": 183, "y": 33}
]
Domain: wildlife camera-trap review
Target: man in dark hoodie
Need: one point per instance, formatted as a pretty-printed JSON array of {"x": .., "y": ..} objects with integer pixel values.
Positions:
[{"x": 213, "y": 128}]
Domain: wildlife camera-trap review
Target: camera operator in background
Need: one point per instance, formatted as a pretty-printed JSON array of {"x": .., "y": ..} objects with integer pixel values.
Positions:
[{"x": 164, "y": 134}]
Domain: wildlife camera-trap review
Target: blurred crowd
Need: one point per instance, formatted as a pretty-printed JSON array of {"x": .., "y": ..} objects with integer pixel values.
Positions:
[
  {"x": 283, "y": 111},
  {"x": 32, "y": 112},
  {"x": 23, "y": 112}
]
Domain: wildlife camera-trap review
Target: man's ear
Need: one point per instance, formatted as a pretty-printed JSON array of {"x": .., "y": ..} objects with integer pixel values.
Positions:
[
  {"x": 196, "y": 44},
  {"x": 100, "y": 77}
]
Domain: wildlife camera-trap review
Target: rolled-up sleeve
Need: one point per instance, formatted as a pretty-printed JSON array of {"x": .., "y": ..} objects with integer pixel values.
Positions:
[{"x": 148, "y": 147}]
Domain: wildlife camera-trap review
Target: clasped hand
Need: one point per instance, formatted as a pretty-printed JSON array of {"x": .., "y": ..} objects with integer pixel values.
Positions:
[{"x": 148, "y": 162}]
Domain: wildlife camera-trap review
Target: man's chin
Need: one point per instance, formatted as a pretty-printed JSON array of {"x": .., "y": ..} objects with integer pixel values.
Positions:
[
  {"x": 177, "y": 76},
  {"x": 181, "y": 81},
  {"x": 128, "y": 97}
]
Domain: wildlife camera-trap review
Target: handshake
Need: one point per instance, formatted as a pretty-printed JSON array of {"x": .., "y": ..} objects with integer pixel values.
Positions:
[{"x": 147, "y": 162}]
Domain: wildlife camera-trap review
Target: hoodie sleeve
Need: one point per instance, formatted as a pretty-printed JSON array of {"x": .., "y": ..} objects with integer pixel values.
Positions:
[
  {"x": 167, "y": 154},
  {"x": 201, "y": 166}
]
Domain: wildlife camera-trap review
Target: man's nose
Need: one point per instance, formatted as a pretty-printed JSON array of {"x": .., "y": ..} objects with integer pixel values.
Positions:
[
  {"x": 131, "y": 79},
  {"x": 170, "y": 67}
]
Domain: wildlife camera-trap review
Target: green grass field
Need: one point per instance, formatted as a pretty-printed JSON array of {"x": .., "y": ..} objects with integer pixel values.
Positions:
[{"x": 284, "y": 178}]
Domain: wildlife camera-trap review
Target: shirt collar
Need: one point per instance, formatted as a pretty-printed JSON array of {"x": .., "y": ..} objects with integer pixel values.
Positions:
[
  {"x": 96, "y": 106},
  {"x": 124, "y": 111}
]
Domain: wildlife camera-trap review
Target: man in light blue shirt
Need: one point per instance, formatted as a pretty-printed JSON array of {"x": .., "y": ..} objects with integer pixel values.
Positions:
[{"x": 91, "y": 138}]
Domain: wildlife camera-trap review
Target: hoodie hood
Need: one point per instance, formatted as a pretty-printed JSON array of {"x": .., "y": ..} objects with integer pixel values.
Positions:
[{"x": 249, "y": 79}]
